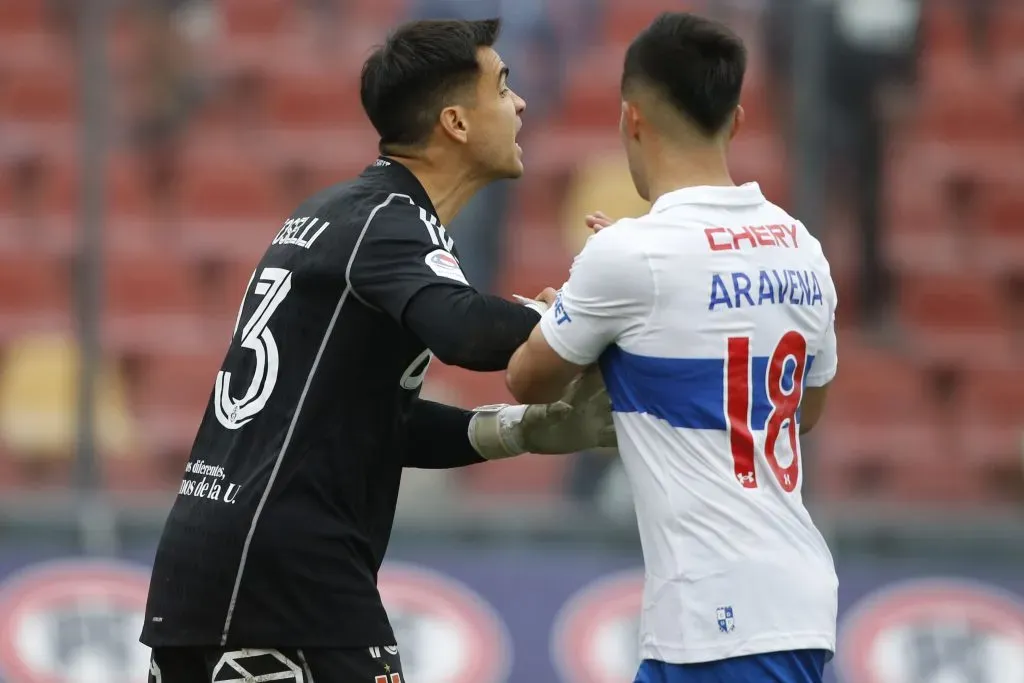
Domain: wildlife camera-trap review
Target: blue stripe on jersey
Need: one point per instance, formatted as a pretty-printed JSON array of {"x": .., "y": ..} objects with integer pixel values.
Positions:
[{"x": 688, "y": 393}]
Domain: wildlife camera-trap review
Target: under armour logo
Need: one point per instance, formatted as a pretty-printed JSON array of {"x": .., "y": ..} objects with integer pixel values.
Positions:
[{"x": 745, "y": 477}]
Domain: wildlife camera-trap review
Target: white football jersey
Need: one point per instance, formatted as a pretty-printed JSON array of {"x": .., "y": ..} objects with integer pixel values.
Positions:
[{"x": 709, "y": 316}]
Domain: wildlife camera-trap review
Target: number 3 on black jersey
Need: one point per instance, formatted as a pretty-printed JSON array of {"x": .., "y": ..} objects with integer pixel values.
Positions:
[{"x": 272, "y": 287}]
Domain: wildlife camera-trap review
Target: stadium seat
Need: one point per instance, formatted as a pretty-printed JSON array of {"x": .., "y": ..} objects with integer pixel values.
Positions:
[
  {"x": 150, "y": 286},
  {"x": 861, "y": 394},
  {"x": 623, "y": 20},
  {"x": 32, "y": 282},
  {"x": 962, "y": 300},
  {"x": 994, "y": 394},
  {"x": 242, "y": 189},
  {"x": 18, "y": 17},
  {"x": 1007, "y": 32},
  {"x": 38, "y": 399},
  {"x": 881, "y": 438},
  {"x": 600, "y": 183},
  {"x": 38, "y": 94},
  {"x": 322, "y": 100},
  {"x": 945, "y": 29},
  {"x": 261, "y": 17}
]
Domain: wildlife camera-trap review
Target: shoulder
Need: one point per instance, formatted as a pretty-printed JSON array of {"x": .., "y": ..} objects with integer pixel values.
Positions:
[
  {"x": 613, "y": 257},
  {"x": 385, "y": 217},
  {"x": 617, "y": 243},
  {"x": 358, "y": 204}
]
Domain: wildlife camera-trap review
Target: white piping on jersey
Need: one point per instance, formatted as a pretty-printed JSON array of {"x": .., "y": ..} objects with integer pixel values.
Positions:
[
  {"x": 305, "y": 666},
  {"x": 295, "y": 418},
  {"x": 359, "y": 240}
]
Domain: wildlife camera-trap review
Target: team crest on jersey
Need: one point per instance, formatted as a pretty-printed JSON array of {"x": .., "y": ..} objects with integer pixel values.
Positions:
[
  {"x": 726, "y": 623},
  {"x": 445, "y": 265},
  {"x": 74, "y": 621},
  {"x": 253, "y": 664},
  {"x": 933, "y": 631},
  {"x": 594, "y": 639}
]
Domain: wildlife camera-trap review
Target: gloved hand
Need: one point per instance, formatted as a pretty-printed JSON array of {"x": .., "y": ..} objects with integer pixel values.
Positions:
[{"x": 579, "y": 421}]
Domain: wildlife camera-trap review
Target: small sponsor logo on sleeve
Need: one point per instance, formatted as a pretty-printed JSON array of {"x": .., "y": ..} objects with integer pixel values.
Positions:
[{"x": 445, "y": 265}]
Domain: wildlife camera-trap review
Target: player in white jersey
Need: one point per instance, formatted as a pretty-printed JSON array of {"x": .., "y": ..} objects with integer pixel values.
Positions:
[{"x": 712, "y": 319}]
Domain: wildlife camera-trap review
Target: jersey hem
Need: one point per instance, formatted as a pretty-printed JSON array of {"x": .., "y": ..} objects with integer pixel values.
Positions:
[
  {"x": 754, "y": 646},
  {"x": 269, "y": 641}
]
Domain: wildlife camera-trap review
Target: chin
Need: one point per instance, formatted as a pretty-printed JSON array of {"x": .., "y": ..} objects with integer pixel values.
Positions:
[{"x": 510, "y": 171}]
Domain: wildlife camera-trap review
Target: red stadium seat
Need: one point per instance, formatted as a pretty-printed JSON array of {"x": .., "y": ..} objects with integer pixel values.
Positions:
[
  {"x": 965, "y": 300},
  {"x": 263, "y": 17},
  {"x": 150, "y": 286},
  {"x": 22, "y": 16},
  {"x": 34, "y": 282}
]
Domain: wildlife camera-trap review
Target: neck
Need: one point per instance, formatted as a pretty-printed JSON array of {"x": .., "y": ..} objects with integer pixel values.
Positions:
[
  {"x": 671, "y": 169},
  {"x": 449, "y": 190}
]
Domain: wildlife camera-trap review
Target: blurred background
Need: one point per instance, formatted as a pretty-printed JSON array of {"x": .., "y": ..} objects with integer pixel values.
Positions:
[{"x": 150, "y": 149}]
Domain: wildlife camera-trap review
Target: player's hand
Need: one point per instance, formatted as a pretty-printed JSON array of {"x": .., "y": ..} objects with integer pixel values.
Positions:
[
  {"x": 597, "y": 221},
  {"x": 580, "y": 421},
  {"x": 540, "y": 303},
  {"x": 548, "y": 296}
]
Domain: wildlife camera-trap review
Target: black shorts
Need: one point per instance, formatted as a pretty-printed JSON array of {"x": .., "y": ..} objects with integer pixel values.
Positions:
[{"x": 315, "y": 665}]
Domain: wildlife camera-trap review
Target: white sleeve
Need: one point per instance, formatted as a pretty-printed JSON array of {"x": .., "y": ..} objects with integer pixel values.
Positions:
[
  {"x": 609, "y": 293},
  {"x": 826, "y": 358}
]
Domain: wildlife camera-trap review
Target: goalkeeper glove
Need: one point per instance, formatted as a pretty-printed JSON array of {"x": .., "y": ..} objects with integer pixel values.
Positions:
[{"x": 581, "y": 420}]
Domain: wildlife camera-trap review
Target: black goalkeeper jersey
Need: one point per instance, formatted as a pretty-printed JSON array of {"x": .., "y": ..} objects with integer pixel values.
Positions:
[{"x": 286, "y": 506}]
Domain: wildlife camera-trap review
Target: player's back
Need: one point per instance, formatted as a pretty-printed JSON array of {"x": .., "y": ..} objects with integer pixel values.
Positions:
[
  {"x": 288, "y": 498},
  {"x": 705, "y": 389}
]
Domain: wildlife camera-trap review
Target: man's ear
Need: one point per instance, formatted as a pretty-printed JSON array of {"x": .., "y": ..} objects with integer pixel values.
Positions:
[
  {"x": 631, "y": 118},
  {"x": 454, "y": 123},
  {"x": 738, "y": 119}
]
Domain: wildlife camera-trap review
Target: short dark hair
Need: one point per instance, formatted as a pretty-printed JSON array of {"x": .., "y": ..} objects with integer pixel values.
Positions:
[
  {"x": 418, "y": 71},
  {"x": 696, "y": 64}
]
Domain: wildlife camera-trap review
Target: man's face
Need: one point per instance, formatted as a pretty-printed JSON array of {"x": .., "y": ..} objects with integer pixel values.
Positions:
[{"x": 495, "y": 120}]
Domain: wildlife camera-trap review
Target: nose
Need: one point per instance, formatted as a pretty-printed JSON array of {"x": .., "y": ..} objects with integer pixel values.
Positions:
[{"x": 520, "y": 104}]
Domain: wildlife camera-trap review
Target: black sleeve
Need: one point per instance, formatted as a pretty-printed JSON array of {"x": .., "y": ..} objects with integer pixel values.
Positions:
[
  {"x": 438, "y": 437},
  {"x": 468, "y": 329},
  {"x": 404, "y": 267},
  {"x": 400, "y": 252}
]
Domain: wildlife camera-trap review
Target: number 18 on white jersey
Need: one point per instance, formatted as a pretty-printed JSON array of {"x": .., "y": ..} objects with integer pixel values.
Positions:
[{"x": 709, "y": 317}]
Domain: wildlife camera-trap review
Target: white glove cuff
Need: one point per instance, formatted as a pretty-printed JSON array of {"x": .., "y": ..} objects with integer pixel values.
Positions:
[
  {"x": 494, "y": 431},
  {"x": 538, "y": 306}
]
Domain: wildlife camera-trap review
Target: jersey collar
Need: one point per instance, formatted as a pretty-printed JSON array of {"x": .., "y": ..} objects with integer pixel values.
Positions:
[
  {"x": 402, "y": 180},
  {"x": 748, "y": 194}
]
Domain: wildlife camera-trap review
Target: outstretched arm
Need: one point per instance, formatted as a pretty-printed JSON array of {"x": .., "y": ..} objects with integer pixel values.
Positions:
[
  {"x": 404, "y": 267},
  {"x": 438, "y": 437},
  {"x": 609, "y": 296},
  {"x": 441, "y": 437}
]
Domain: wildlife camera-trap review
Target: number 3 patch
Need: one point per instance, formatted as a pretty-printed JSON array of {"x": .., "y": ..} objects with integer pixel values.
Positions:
[{"x": 445, "y": 265}]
